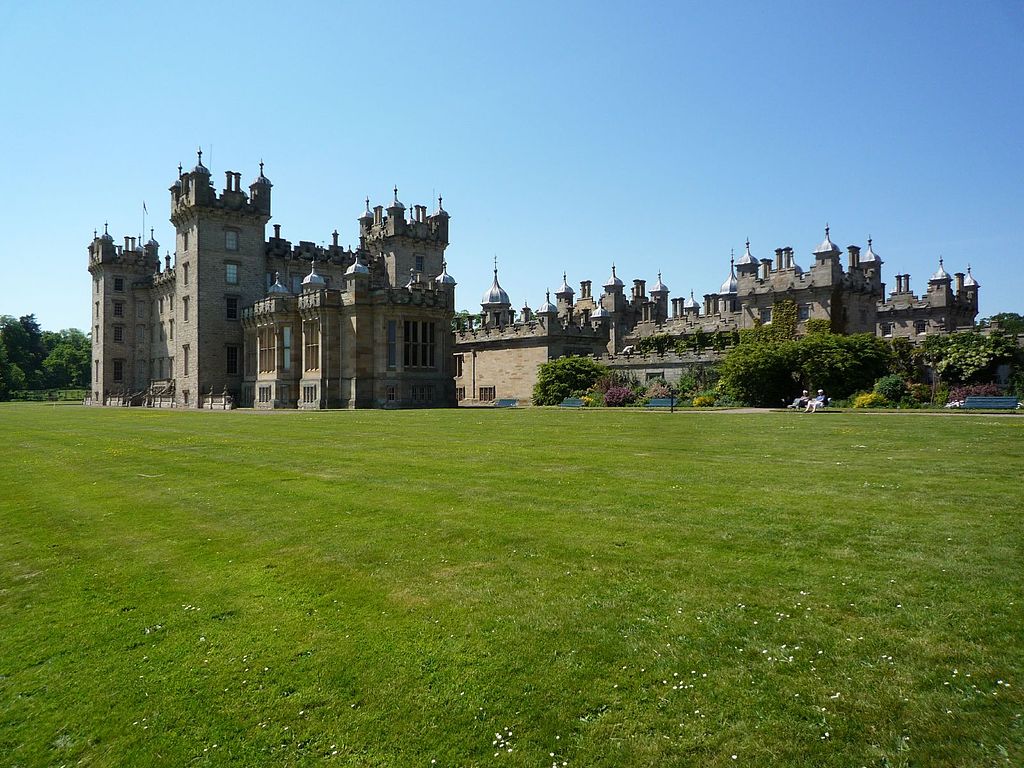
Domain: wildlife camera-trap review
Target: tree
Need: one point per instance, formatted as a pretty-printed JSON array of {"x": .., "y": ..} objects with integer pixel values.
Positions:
[
  {"x": 67, "y": 364},
  {"x": 968, "y": 357},
  {"x": 842, "y": 365},
  {"x": 1008, "y": 322},
  {"x": 565, "y": 377},
  {"x": 760, "y": 373}
]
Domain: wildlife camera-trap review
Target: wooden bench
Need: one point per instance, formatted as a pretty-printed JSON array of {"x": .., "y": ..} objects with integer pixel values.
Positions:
[
  {"x": 571, "y": 402},
  {"x": 992, "y": 403},
  {"x": 506, "y": 403},
  {"x": 662, "y": 402}
]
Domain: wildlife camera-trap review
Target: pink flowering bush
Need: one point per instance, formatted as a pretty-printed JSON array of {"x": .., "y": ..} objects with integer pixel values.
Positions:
[{"x": 617, "y": 396}]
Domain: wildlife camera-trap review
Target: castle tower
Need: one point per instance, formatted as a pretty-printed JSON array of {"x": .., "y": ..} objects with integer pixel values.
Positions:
[
  {"x": 417, "y": 244},
  {"x": 120, "y": 311},
  {"x": 219, "y": 269},
  {"x": 564, "y": 296},
  {"x": 659, "y": 295}
]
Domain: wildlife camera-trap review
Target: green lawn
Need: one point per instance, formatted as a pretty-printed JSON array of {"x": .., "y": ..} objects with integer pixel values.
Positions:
[{"x": 510, "y": 588}]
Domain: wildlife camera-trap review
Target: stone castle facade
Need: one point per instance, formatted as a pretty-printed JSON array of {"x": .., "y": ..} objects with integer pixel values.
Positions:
[
  {"x": 243, "y": 319},
  {"x": 240, "y": 318},
  {"x": 497, "y": 354}
]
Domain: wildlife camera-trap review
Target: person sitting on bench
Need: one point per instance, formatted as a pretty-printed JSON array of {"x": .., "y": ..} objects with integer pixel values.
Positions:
[
  {"x": 819, "y": 402},
  {"x": 800, "y": 402}
]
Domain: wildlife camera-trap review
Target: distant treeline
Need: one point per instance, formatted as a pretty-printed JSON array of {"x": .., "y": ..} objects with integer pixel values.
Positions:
[{"x": 31, "y": 358}]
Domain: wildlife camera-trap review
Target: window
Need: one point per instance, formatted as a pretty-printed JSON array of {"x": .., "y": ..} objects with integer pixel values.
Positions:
[
  {"x": 286, "y": 348},
  {"x": 231, "y": 360},
  {"x": 231, "y": 273},
  {"x": 391, "y": 394},
  {"x": 184, "y": 356},
  {"x": 184, "y": 268},
  {"x": 309, "y": 393},
  {"x": 419, "y": 262},
  {"x": 231, "y": 307},
  {"x": 119, "y": 334},
  {"x": 804, "y": 312},
  {"x": 119, "y": 284},
  {"x": 311, "y": 337},
  {"x": 486, "y": 394},
  {"x": 392, "y": 344},
  {"x": 887, "y": 329},
  {"x": 267, "y": 349},
  {"x": 97, "y": 310},
  {"x": 422, "y": 393},
  {"x": 119, "y": 370},
  {"x": 140, "y": 333},
  {"x": 230, "y": 240},
  {"x": 161, "y": 305},
  {"x": 118, "y": 309},
  {"x": 264, "y": 394},
  {"x": 95, "y": 370},
  {"x": 184, "y": 241},
  {"x": 170, "y": 329},
  {"x": 418, "y": 350},
  {"x": 766, "y": 315},
  {"x": 184, "y": 308},
  {"x": 460, "y": 393},
  {"x": 458, "y": 367},
  {"x": 920, "y": 327},
  {"x": 96, "y": 335}
]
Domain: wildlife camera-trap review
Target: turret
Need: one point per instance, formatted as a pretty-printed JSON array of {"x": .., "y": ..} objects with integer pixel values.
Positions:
[
  {"x": 495, "y": 303},
  {"x": 659, "y": 295},
  {"x": 747, "y": 264},
  {"x": 259, "y": 192},
  {"x": 564, "y": 297}
]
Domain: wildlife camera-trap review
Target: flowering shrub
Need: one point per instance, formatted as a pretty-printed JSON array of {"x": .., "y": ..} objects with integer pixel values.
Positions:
[
  {"x": 959, "y": 394},
  {"x": 657, "y": 389},
  {"x": 920, "y": 393},
  {"x": 618, "y": 396},
  {"x": 703, "y": 401},
  {"x": 870, "y": 400}
]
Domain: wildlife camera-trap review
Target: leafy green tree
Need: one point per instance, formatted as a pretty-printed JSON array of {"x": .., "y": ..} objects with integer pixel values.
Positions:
[
  {"x": 760, "y": 373},
  {"x": 968, "y": 357},
  {"x": 1009, "y": 322},
  {"x": 67, "y": 364},
  {"x": 566, "y": 377},
  {"x": 842, "y": 365}
]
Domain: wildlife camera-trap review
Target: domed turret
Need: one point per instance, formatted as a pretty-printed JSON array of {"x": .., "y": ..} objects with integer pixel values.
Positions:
[
  {"x": 261, "y": 179},
  {"x": 547, "y": 308},
  {"x": 600, "y": 313},
  {"x": 444, "y": 278},
  {"x": 969, "y": 281},
  {"x": 495, "y": 296},
  {"x": 691, "y": 304},
  {"x": 106, "y": 235},
  {"x": 747, "y": 260},
  {"x": 730, "y": 284},
  {"x": 200, "y": 168},
  {"x": 313, "y": 281},
  {"x": 396, "y": 204},
  {"x": 613, "y": 282},
  {"x": 440, "y": 210},
  {"x": 565, "y": 289},
  {"x": 659, "y": 287},
  {"x": 357, "y": 267},
  {"x": 870, "y": 257},
  {"x": 827, "y": 246},
  {"x": 940, "y": 274},
  {"x": 278, "y": 289},
  {"x": 366, "y": 215}
]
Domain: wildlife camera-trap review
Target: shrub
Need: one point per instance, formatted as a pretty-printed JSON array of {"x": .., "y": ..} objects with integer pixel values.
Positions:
[
  {"x": 656, "y": 389},
  {"x": 703, "y": 401},
  {"x": 870, "y": 400},
  {"x": 920, "y": 393},
  {"x": 959, "y": 394},
  {"x": 891, "y": 387},
  {"x": 565, "y": 377},
  {"x": 618, "y": 396}
]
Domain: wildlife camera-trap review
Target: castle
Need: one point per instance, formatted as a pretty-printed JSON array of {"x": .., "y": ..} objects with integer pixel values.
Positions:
[
  {"x": 497, "y": 354},
  {"x": 242, "y": 319}
]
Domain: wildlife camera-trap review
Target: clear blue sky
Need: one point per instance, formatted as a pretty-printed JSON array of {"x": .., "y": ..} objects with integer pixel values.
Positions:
[{"x": 563, "y": 135}]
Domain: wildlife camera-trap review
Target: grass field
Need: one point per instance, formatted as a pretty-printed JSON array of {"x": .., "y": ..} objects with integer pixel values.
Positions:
[{"x": 510, "y": 588}]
